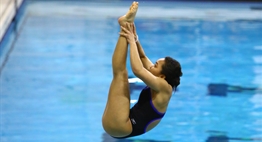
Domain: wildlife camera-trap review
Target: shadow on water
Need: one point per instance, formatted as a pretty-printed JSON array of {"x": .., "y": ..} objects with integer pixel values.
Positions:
[
  {"x": 108, "y": 138},
  {"x": 220, "y": 136}
]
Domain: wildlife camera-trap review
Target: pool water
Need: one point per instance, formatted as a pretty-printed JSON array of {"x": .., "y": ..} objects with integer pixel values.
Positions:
[{"x": 56, "y": 76}]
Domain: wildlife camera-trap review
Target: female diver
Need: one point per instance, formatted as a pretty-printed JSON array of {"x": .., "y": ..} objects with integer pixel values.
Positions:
[{"x": 161, "y": 78}]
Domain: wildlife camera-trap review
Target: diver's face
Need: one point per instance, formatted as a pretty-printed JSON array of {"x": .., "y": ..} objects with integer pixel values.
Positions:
[{"x": 157, "y": 67}]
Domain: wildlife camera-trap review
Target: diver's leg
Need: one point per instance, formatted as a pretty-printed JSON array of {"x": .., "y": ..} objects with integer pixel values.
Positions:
[{"x": 116, "y": 115}]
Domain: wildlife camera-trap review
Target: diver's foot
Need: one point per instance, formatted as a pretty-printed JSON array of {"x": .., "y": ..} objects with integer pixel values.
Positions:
[{"x": 130, "y": 15}]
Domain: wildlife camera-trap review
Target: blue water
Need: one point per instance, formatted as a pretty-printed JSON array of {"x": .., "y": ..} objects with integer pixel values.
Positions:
[{"x": 54, "y": 84}]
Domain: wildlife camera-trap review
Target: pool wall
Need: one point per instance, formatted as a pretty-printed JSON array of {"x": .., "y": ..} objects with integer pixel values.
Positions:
[{"x": 8, "y": 11}]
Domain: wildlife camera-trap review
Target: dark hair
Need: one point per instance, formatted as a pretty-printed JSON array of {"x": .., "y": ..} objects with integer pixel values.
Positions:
[{"x": 172, "y": 71}]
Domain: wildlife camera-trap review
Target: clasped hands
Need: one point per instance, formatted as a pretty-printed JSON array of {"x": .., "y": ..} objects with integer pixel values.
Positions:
[{"x": 129, "y": 32}]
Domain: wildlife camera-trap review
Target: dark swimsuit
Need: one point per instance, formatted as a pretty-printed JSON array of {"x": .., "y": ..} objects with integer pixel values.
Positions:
[{"x": 143, "y": 113}]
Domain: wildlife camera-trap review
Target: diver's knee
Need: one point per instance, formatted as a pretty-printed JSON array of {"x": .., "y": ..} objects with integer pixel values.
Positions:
[{"x": 120, "y": 73}]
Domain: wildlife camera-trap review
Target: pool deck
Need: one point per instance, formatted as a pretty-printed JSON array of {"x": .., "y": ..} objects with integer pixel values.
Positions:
[{"x": 152, "y": 9}]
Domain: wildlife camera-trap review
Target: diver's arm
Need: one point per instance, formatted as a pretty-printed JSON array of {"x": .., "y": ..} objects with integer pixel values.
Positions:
[
  {"x": 145, "y": 60},
  {"x": 141, "y": 72},
  {"x": 138, "y": 69}
]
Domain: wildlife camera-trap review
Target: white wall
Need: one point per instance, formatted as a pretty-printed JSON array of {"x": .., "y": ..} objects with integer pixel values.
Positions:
[{"x": 7, "y": 13}]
